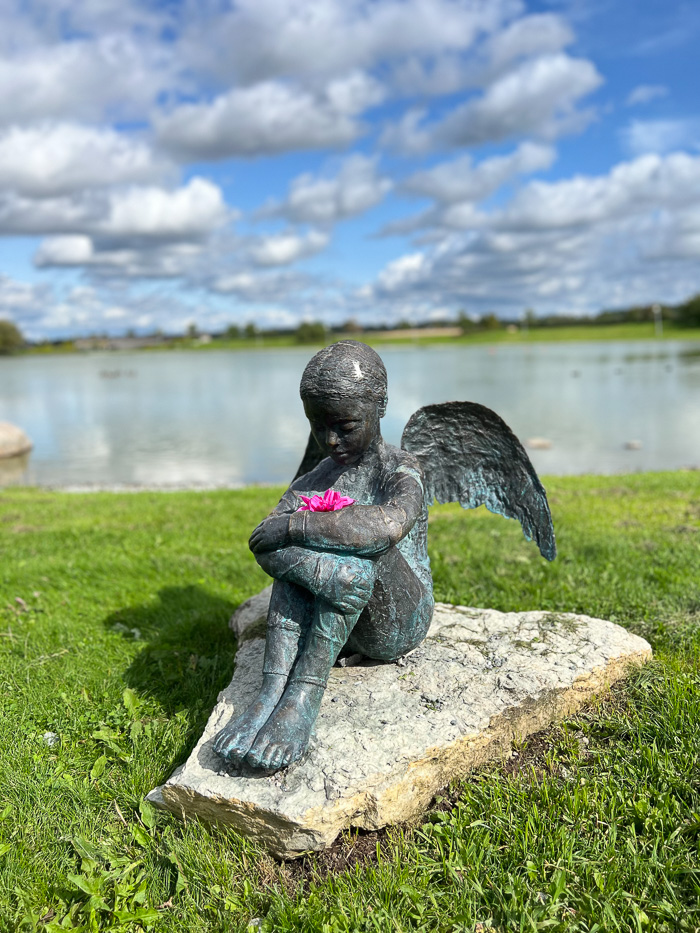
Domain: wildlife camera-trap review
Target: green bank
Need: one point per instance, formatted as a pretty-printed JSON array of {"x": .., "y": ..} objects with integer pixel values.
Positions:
[
  {"x": 642, "y": 331},
  {"x": 114, "y": 645}
]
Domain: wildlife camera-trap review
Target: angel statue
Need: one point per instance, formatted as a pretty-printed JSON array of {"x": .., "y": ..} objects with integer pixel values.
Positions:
[{"x": 347, "y": 543}]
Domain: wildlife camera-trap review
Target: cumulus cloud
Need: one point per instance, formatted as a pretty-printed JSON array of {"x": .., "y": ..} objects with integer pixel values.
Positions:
[
  {"x": 536, "y": 98},
  {"x": 142, "y": 213},
  {"x": 19, "y": 299},
  {"x": 403, "y": 273},
  {"x": 256, "y": 287},
  {"x": 645, "y": 184},
  {"x": 188, "y": 212},
  {"x": 161, "y": 261},
  {"x": 315, "y": 39},
  {"x": 325, "y": 200},
  {"x": 524, "y": 37},
  {"x": 575, "y": 245},
  {"x": 644, "y": 93},
  {"x": 459, "y": 184},
  {"x": 461, "y": 180},
  {"x": 661, "y": 136},
  {"x": 529, "y": 36},
  {"x": 53, "y": 159},
  {"x": 82, "y": 79},
  {"x": 281, "y": 249},
  {"x": 269, "y": 118}
]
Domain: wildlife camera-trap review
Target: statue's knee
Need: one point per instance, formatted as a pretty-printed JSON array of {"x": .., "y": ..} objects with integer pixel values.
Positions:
[{"x": 355, "y": 572}]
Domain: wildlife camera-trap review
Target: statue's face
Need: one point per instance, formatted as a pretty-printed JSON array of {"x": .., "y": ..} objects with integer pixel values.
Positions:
[{"x": 344, "y": 428}]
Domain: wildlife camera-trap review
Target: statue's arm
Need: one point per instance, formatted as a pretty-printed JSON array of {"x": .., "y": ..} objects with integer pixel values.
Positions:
[
  {"x": 289, "y": 503},
  {"x": 364, "y": 530}
]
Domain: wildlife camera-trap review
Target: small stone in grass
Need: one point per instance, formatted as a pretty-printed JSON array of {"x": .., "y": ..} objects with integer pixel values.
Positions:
[{"x": 51, "y": 739}]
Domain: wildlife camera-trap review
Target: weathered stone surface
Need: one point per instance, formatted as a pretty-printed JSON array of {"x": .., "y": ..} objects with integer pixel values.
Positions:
[
  {"x": 389, "y": 736},
  {"x": 250, "y": 612},
  {"x": 13, "y": 440}
]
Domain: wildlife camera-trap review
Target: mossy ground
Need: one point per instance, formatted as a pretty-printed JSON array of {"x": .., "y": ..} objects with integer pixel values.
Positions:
[{"x": 113, "y": 636}]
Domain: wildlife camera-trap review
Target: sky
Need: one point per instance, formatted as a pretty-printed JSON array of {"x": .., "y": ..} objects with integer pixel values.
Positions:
[{"x": 272, "y": 161}]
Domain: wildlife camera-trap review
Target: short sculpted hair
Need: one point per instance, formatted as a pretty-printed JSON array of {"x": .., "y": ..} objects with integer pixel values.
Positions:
[{"x": 346, "y": 368}]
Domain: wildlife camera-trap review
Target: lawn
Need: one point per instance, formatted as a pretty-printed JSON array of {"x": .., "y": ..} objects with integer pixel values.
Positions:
[{"x": 113, "y": 638}]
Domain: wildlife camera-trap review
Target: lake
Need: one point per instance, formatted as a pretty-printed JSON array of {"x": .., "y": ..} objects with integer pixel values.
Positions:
[{"x": 232, "y": 418}]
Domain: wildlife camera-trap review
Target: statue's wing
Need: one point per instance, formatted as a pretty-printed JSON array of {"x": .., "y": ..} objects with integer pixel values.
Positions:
[
  {"x": 311, "y": 459},
  {"x": 470, "y": 455}
]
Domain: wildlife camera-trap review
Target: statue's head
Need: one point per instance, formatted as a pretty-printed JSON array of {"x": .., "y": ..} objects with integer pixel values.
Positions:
[{"x": 344, "y": 391}]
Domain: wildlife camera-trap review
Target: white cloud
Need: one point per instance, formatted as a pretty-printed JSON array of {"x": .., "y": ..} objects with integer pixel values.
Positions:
[
  {"x": 461, "y": 180},
  {"x": 188, "y": 212},
  {"x": 55, "y": 159},
  {"x": 19, "y": 299},
  {"x": 143, "y": 213},
  {"x": 82, "y": 79},
  {"x": 160, "y": 261},
  {"x": 647, "y": 183},
  {"x": 69, "y": 250},
  {"x": 537, "y": 98},
  {"x": 116, "y": 313},
  {"x": 256, "y": 288},
  {"x": 258, "y": 40},
  {"x": 644, "y": 93},
  {"x": 528, "y": 36},
  {"x": 571, "y": 246},
  {"x": 269, "y": 118},
  {"x": 404, "y": 272},
  {"x": 458, "y": 185},
  {"x": 525, "y": 37},
  {"x": 281, "y": 249},
  {"x": 323, "y": 201},
  {"x": 661, "y": 136}
]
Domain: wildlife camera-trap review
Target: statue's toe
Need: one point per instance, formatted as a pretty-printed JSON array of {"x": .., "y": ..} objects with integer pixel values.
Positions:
[
  {"x": 233, "y": 744},
  {"x": 254, "y": 756}
]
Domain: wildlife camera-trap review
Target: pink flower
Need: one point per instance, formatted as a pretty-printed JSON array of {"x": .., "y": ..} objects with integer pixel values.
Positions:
[{"x": 331, "y": 501}]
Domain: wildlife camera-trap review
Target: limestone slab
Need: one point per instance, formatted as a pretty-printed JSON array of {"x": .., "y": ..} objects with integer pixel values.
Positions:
[{"x": 390, "y": 736}]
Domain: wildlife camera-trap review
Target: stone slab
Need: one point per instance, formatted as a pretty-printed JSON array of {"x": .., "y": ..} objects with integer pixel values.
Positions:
[{"x": 390, "y": 736}]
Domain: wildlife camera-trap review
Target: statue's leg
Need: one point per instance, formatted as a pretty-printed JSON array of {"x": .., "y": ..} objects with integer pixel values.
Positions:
[
  {"x": 285, "y": 736},
  {"x": 398, "y": 614},
  {"x": 289, "y": 606}
]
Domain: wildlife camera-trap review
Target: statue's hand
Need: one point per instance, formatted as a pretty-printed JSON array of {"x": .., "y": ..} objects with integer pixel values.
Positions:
[
  {"x": 272, "y": 533},
  {"x": 347, "y": 589}
]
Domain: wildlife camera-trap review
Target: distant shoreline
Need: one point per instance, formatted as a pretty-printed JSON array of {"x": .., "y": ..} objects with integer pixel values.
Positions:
[{"x": 642, "y": 331}]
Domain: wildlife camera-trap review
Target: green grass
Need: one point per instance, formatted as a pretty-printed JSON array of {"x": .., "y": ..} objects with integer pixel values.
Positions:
[{"x": 113, "y": 611}]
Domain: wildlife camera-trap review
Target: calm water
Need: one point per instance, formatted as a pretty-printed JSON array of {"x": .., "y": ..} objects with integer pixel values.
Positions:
[{"x": 232, "y": 418}]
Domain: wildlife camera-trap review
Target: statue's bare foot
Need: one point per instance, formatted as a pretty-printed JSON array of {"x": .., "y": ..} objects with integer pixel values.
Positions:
[
  {"x": 285, "y": 736},
  {"x": 234, "y": 740}
]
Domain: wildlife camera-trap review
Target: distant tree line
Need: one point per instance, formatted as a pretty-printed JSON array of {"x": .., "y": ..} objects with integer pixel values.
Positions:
[
  {"x": 11, "y": 339},
  {"x": 686, "y": 314}
]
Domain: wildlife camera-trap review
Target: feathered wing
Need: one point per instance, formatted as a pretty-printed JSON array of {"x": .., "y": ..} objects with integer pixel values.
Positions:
[{"x": 469, "y": 455}]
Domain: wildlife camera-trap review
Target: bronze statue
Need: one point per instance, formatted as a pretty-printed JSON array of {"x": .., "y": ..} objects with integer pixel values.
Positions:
[{"x": 347, "y": 543}]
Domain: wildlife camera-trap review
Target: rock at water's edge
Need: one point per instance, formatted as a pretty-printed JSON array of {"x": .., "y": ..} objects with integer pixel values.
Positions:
[
  {"x": 13, "y": 441},
  {"x": 390, "y": 736}
]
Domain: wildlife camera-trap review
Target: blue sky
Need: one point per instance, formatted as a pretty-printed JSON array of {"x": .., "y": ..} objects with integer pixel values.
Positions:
[{"x": 279, "y": 160}]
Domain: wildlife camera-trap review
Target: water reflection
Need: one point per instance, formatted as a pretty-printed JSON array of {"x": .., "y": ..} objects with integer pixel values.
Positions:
[
  {"x": 14, "y": 471},
  {"x": 225, "y": 418}
]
